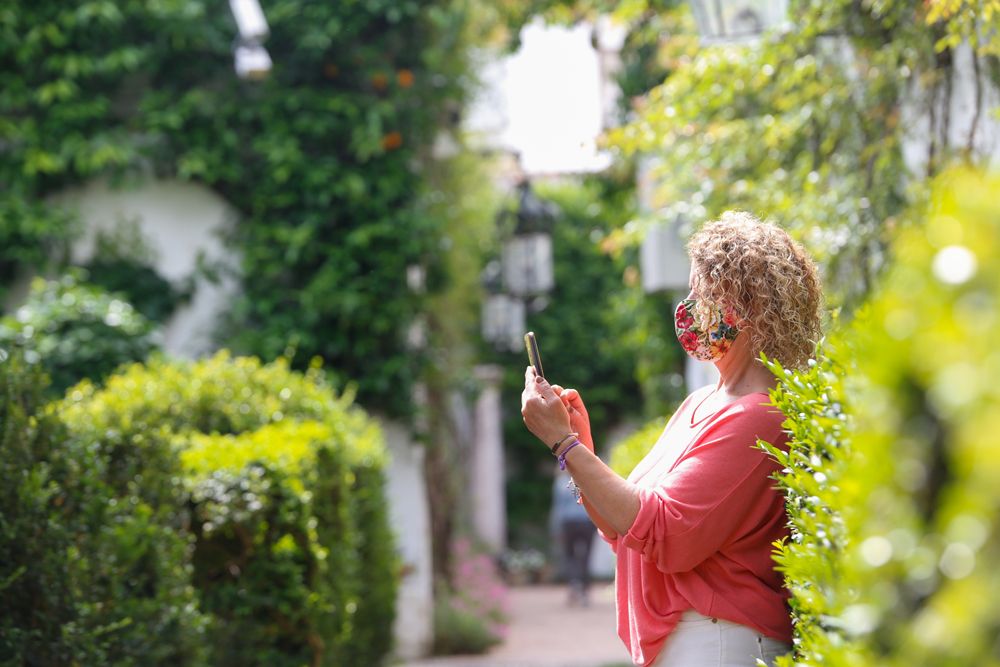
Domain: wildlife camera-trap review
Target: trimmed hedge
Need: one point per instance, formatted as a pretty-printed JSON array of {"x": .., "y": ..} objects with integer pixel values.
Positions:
[
  {"x": 89, "y": 575},
  {"x": 894, "y": 493},
  {"x": 36, "y": 600},
  {"x": 278, "y": 486}
]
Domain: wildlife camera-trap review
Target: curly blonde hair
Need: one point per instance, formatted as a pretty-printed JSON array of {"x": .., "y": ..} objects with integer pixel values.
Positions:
[{"x": 767, "y": 278}]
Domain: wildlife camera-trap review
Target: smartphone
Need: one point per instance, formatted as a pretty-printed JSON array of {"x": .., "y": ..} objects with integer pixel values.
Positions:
[{"x": 534, "y": 358}]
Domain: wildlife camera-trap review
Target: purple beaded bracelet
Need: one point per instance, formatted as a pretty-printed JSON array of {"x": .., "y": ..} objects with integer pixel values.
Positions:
[{"x": 562, "y": 457}]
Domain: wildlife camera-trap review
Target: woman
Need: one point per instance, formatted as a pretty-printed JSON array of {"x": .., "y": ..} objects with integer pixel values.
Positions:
[
  {"x": 694, "y": 524},
  {"x": 576, "y": 535}
]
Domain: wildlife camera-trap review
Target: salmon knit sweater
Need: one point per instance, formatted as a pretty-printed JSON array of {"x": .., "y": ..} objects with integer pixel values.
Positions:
[{"x": 708, "y": 517}]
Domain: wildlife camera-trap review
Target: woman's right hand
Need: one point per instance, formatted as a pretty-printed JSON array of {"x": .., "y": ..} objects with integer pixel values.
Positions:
[{"x": 579, "y": 420}]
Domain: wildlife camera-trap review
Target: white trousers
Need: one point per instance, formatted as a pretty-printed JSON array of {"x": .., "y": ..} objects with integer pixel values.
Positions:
[{"x": 701, "y": 641}]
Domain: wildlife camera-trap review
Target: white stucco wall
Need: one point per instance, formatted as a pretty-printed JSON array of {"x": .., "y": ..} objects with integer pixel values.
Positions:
[
  {"x": 182, "y": 222},
  {"x": 411, "y": 522}
]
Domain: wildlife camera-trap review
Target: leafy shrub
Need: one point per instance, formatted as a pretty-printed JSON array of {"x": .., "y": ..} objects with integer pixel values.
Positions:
[
  {"x": 88, "y": 575},
  {"x": 37, "y": 600},
  {"x": 470, "y": 613},
  {"x": 32, "y": 235},
  {"x": 77, "y": 331},
  {"x": 894, "y": 506},
  {"x": 627, "y": 453},
  {"x": 293, "y": 557},
  {"x": 152, "y": 295}
]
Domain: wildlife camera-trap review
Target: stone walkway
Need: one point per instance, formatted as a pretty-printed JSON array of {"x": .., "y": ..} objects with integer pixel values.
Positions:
[{"x": 545, "y": 632}]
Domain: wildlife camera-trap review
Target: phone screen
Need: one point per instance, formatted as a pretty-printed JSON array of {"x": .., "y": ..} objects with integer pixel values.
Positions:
[{"x": 534, "y": 358}]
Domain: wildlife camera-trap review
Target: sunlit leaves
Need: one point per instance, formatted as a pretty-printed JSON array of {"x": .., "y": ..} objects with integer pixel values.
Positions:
[{"x": 891, "y": 479}]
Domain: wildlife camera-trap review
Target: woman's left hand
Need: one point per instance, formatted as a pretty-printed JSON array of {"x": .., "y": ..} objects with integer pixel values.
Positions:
[{"x": 543, "y": 411}]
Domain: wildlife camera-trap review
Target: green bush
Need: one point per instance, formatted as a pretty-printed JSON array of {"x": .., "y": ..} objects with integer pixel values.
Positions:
[
  {"x": 88, "y": 575},
  {"x": 627, "y": 453},
  {"x": 37, "y": 601},
  {"x": 77, "y": 331},
  {"x": 292, "y": 555},
  {"x": 894, "y": 494}
]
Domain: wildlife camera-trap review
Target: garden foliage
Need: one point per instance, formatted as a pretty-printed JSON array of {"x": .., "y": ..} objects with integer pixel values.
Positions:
[
  {"x": 124, "y": 263},
  {"x": 76, "y": 330},
  {"x": 323, "y": 161},
  {"x": 471, "y": 609},
  {"x": 807, "y": 126},
  {"x": 626, "y": 454},
  {"x": 892, "y": 477},
  {"x": 90, "y": 574},
  {"x": 217, "y": 512},
  {"x": 277, "y": 484}
]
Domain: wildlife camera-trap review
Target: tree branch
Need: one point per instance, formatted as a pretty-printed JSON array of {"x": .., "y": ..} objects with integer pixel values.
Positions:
[{"x": 970, "y": 143}]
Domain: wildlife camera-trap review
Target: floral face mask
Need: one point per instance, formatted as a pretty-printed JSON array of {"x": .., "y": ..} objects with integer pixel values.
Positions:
[{"x": 704, "y": 329}]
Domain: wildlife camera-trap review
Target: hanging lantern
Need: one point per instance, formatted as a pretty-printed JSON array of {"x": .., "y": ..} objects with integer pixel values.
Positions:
[
  {"x": 527, "y": 255},
  {"x": 250, "y": 59},
  {"x": 503, "y": 315},
  {"x": 726, "y": 21}
]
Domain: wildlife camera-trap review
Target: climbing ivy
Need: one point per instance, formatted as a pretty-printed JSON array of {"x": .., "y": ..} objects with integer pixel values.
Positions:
[
  {"x": 322, "y": 160},
  {"x": 806, "y": 127}
]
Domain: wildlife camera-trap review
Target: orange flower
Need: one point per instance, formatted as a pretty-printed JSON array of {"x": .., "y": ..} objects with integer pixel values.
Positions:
[
  {"x": 392, "y": 141},
  {"x": 380, "y": 81},
  {"x": 404, "y": 78}
]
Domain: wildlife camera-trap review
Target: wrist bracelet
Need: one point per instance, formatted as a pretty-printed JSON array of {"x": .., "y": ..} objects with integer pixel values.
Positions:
[
  {"x": 566, "y": 437},
  {"x": 562, "y": 457},
  {"x": 575, "y": 490}
]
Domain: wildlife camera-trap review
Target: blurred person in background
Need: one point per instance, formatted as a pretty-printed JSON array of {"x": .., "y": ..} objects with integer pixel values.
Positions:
[
  {"x": 575, "y": 533},
  {"x": 694, "y": 524}
]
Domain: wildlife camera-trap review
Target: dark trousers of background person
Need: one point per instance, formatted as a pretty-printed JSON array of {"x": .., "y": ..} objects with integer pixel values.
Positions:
[{"x": 577, "y": 537}]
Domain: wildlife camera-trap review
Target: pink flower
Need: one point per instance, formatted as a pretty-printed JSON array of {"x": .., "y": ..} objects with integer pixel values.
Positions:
[{"x": 689, "y": 341}]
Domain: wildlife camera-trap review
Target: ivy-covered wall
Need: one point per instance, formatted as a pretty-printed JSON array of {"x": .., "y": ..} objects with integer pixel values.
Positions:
[{"x": 322, "y": 160}]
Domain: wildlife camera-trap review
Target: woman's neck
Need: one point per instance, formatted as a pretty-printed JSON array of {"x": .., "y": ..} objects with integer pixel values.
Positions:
[{"x": 740, "y": 373}]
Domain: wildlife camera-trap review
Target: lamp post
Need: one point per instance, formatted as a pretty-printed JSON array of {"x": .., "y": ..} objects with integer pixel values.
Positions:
[
  {"x": 730, "y": 21},
  {"x": 524, "y": 273},
  {"x": 250, "y": 59},
  {"x": 503, "y": 316},
  {"x": 527, "y": 255}
]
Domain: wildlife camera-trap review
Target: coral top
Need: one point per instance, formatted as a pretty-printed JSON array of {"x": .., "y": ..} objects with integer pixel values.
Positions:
[{"x": 708, "y": 517}]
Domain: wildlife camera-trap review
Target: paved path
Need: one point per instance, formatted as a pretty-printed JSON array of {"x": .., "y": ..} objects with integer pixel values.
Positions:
[{"x": 545, "y": 632}]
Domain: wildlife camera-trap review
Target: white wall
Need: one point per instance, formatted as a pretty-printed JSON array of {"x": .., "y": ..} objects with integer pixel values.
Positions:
[
  {"x": 181, "y": 221},
  {"x": 411, "y": 522}
]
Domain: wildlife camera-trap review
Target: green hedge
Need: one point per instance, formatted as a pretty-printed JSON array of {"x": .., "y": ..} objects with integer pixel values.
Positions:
[
  {"x": 627, "y": 453},
  {"x": 273, "y": 486},
  {"x": 88, "y": 575},
  {"x": 75, "y": 330},
  {"x": 894, "y": 492},
  {"x": 33, "y": 539}
]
